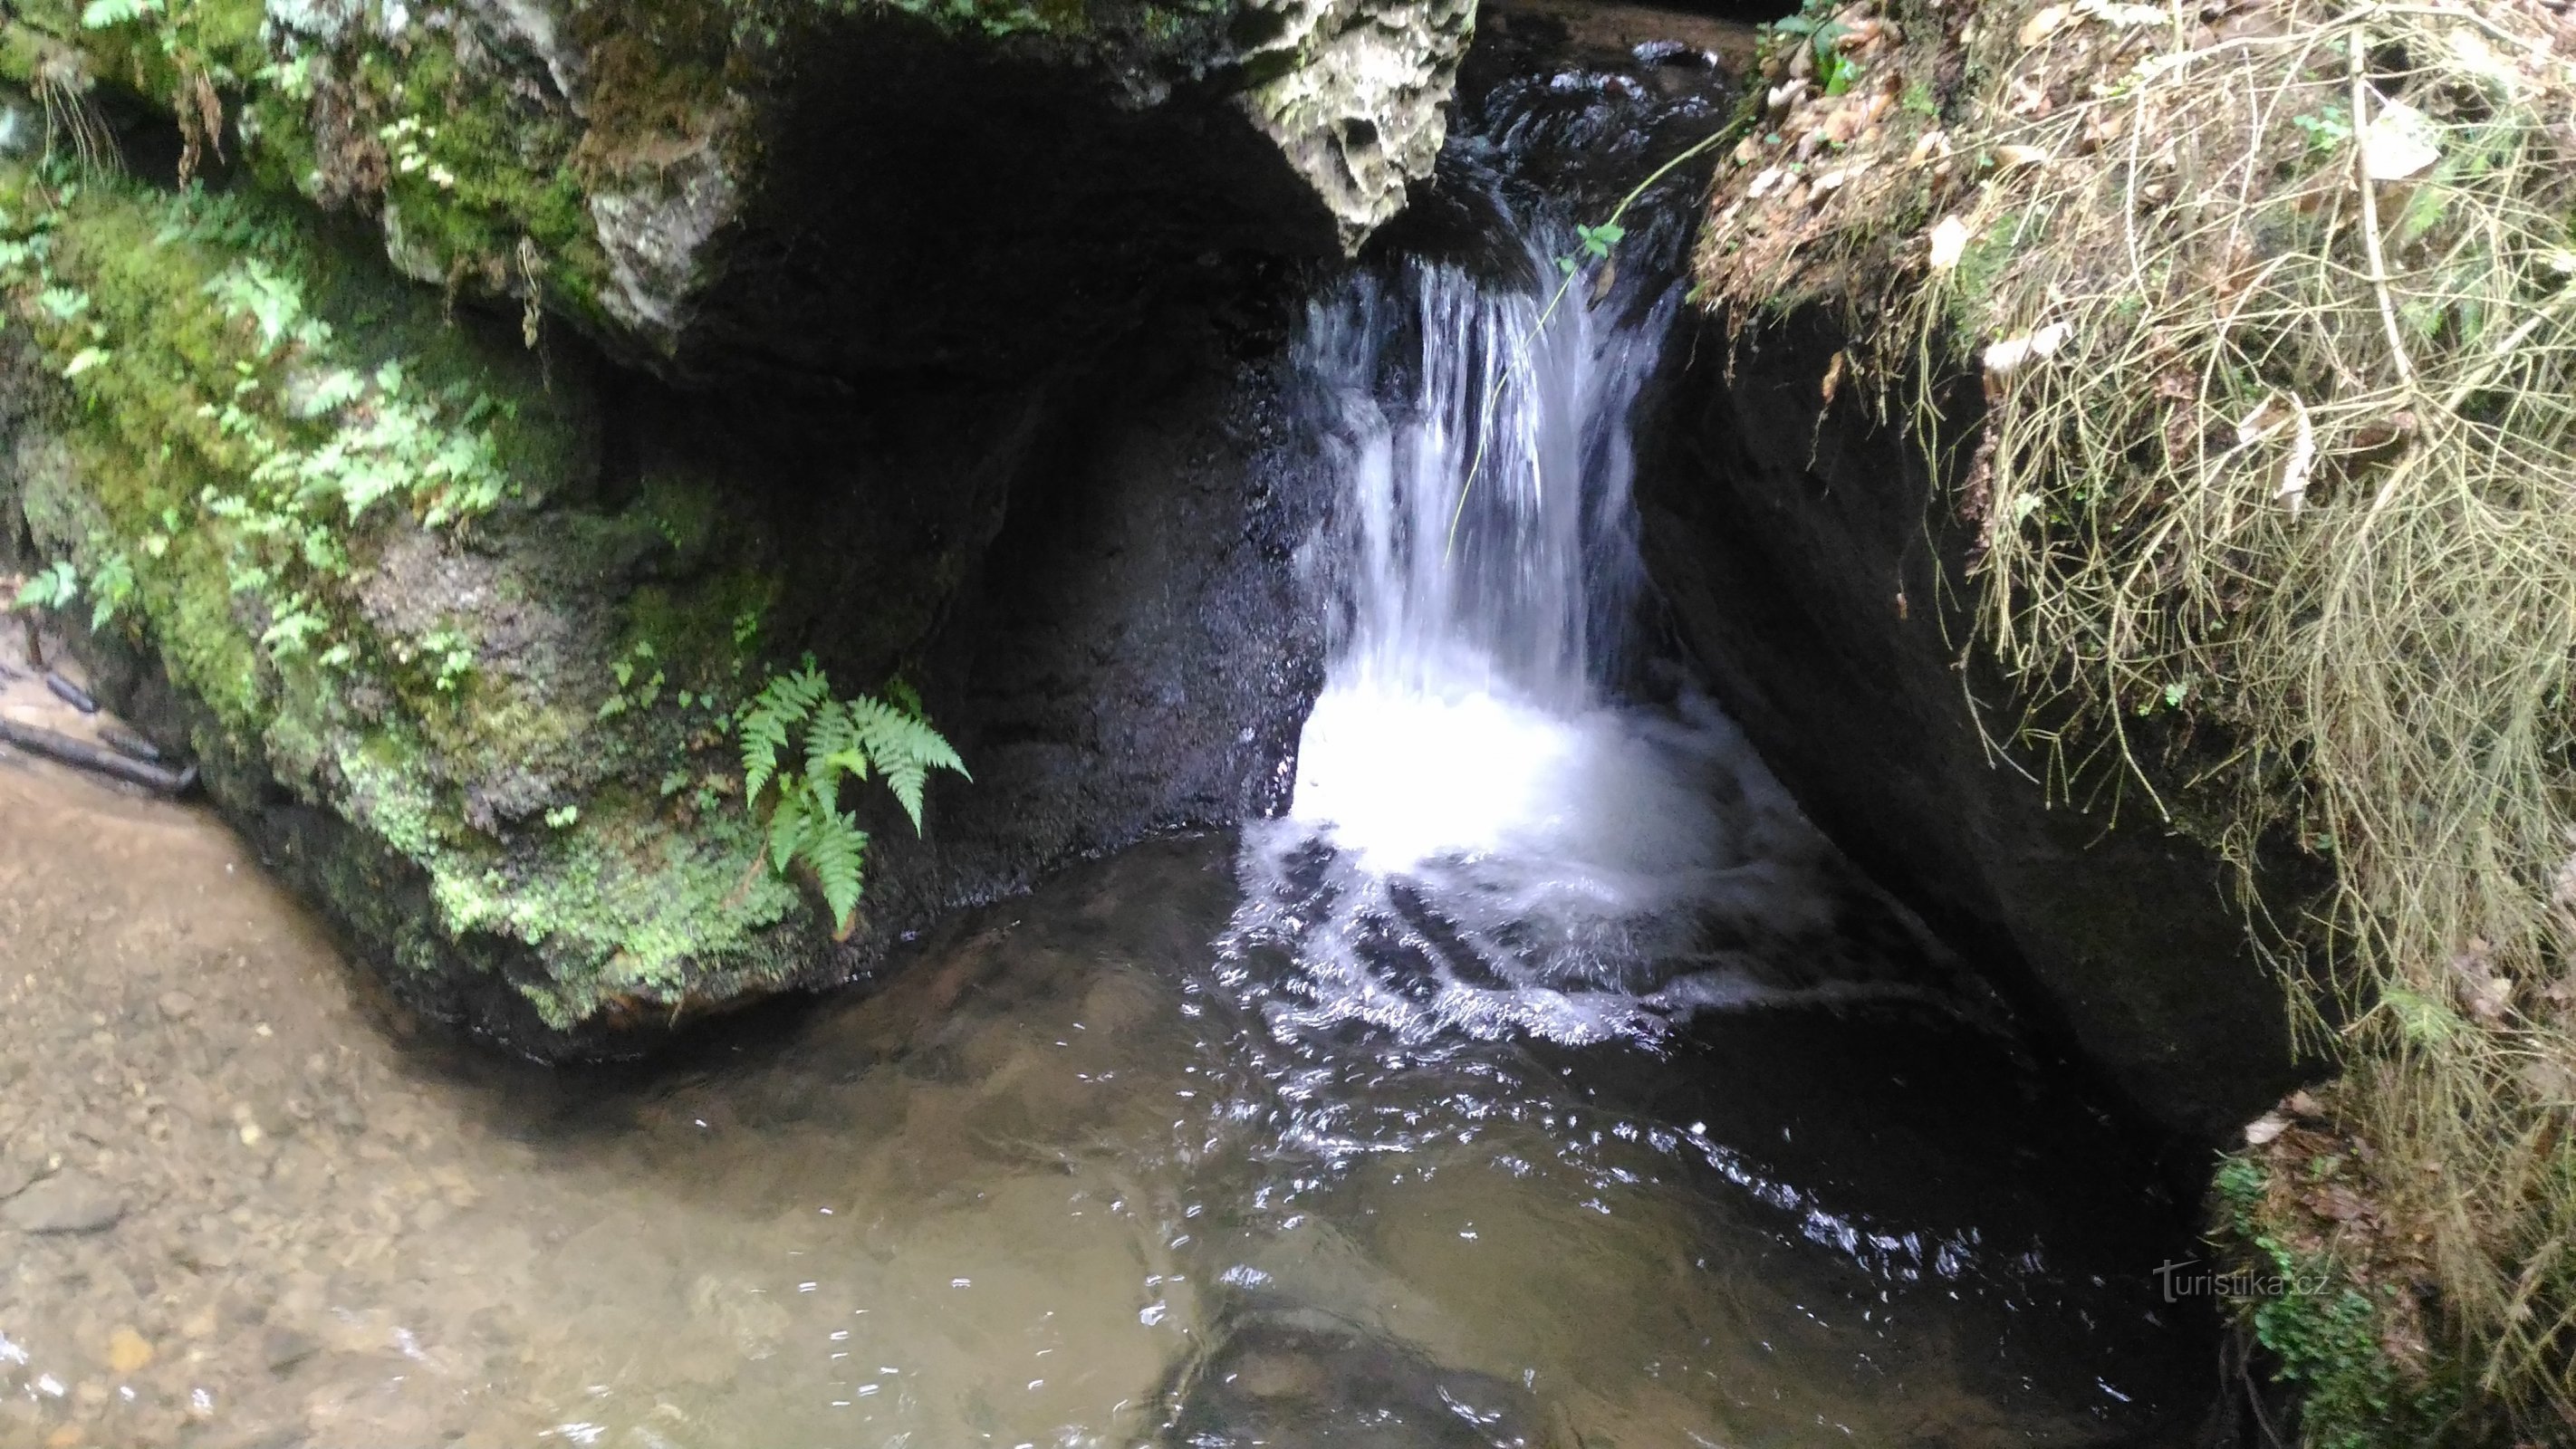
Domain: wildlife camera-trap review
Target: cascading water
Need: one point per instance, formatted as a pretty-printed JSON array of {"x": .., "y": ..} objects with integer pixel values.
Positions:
[{"x": 1491, "y": 829}]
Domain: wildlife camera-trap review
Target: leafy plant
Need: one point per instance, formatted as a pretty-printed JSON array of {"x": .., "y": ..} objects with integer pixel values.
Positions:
[
  {"x": 53, "y": 588},
  {"x": 111, "y": 584},
  {"x": 2326, "y": 130},
  {"x": 102, "y": 14},
  {"x": 793, "y": 718},
  {"x": 1834, "y": 70},
  {"x": 629, "y": 694}
]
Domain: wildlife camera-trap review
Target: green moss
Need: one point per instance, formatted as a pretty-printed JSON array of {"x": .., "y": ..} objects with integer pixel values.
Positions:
[
  {"x": 210, "y": 343},
  {"x": 2327, "y": 1326}
]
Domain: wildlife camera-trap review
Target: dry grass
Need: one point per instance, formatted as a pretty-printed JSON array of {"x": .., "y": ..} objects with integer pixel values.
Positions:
[{"x": 2277, "y": 310}]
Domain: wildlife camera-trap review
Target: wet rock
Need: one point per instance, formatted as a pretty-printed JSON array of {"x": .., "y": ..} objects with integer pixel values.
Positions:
[
  {"x": 281, "y": 1349},
  {"x": 1813, "y": 564},
  {"x": 68, "y": 1202},
  {"x": 1295, "y": 1376},
  {"x": 1360, "y": 110}
]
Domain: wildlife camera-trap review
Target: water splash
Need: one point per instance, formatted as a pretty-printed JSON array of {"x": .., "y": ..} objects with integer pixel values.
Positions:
[{"x": 1490, "y": 832}]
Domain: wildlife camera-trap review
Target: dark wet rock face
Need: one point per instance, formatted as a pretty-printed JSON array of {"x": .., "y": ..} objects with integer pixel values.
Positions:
[{"x": 1811, "y": 567}]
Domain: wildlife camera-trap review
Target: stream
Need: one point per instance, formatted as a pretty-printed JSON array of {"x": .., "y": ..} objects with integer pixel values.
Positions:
[{"x": 1540, "y": 1077}]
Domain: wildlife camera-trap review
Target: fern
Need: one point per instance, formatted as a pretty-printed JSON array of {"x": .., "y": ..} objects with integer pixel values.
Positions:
[
  {"x": 834, "y": 847},
  {"x": 905, "y": 749},
  {"x": 839, "y": 741}
]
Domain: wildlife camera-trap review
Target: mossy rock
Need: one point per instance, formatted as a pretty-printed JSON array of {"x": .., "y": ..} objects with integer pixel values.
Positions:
[
  {"x": 361, "y": 541},
  {"x": 643, "y": 167}
]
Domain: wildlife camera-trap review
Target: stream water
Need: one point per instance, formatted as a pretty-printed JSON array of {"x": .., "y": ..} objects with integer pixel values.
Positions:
[{"x": 1540, "y": 1078}]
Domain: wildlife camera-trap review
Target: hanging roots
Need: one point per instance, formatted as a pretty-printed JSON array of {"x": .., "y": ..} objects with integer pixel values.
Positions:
[
  {"x": 201, "y": 120},
  {"x": 72, "y": 119}
]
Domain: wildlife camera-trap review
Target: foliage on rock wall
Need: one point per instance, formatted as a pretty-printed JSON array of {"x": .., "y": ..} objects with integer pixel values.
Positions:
[
  {"x": 2273, "y": 307},
  {"x": 327, "y": 509}
]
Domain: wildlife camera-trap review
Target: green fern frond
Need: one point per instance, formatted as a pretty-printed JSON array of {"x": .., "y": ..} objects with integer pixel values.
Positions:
[
  {"x": 764, "y": 739},
  {"x": 832, "y": 747},
  {"x": 787, "y": 824},
  {"x": 835, "y": 847},
  {"x": 850, "y": 739},
  {"x": 783, "y": 703},
  {"x": 905, "y": 749}
]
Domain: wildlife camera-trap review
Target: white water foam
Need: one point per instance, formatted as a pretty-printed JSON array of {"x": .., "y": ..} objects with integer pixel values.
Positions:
[{"x": 1485, "y": 835}]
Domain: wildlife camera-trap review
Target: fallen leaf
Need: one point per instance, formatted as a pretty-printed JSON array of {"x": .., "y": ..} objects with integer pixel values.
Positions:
[
  {"x": 2399, "y": 142},
  {"x": 1764, "y": 184},
  {"x": 1935, "y": 142},
  {"x": 2043, "y": 23},
  {"x": 2487, "y": 998},
  {"x": 2303, "y": 1104},
  {"x": 2002, "y": 359},
  {"x": 2471, "y": 50},
  {"x": 2263, "y": 1129},
  {"x": 1949, "y": 242},
  {"x": 2112, "y": 13},
  {"x": 2013, "y": 158},
  {"x": 2301, "y": 462},
  {"x": 2265, "y": 420}
]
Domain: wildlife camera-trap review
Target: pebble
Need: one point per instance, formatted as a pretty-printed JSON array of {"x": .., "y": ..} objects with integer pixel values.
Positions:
[
  {"x": 283, "y": 1348},
  {"x": 69, "y": 1202},
  {"x": 176, "y": 1004},
  {"x": 128, "y": 1351}
]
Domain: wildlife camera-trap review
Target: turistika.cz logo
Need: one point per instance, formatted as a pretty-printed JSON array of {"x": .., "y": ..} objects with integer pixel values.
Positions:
[{"x": 2192, "y": 1278}]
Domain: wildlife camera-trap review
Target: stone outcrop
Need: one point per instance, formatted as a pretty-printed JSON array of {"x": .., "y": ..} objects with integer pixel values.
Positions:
[
  {"x": 1813, "y": 565},
  {"x": 453, "y": 605},
  {"x": 672, "y": 174}
]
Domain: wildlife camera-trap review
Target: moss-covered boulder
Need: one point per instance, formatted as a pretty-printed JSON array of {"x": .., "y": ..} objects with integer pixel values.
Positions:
[
  {"x": 671, "y": 174},
  {"x": 457, "y": 612},
  {"x": 363, "y": 544}
]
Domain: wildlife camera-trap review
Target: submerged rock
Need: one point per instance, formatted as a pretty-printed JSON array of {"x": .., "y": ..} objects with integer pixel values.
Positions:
[
  {"x": 67, "y": 1202},
  {"x": 1297, "y": 1377}
]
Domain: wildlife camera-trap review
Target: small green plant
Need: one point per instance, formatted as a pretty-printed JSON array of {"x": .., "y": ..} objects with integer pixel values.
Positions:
[
  {"x": 1834, "y": 70},
  {"x": 635, "y": 688},
  {"x": 111, "y": 585},
  {"x": 53, "y": 588},
  {"x": 2326, "y": 130},
  {"x": 452, "y": 654},
  {"x": 841, "y": 741}
]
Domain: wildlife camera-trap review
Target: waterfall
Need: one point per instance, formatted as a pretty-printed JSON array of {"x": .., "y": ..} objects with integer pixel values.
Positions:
[{"x": 1490, "y": 832}]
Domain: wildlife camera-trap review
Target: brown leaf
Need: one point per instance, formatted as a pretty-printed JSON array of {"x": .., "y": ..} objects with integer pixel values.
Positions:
[{"x": 2044, "y": 22}]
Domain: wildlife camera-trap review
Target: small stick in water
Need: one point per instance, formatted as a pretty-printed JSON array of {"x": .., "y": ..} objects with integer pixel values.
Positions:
[
  {"x": 90, "y": 757},
  {"x": 127, "y": 743},
  {"x": 70, "y": 693}
]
